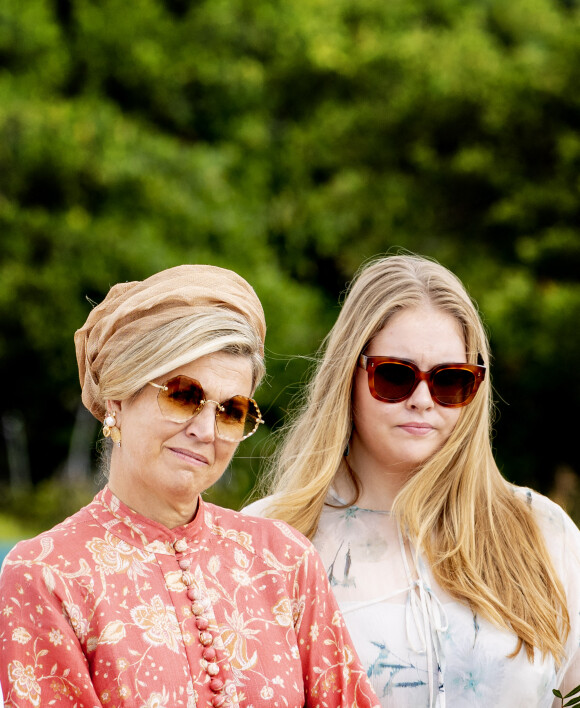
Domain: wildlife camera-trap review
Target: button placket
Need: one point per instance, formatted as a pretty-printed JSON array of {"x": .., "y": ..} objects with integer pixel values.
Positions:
[{"x": 198, "y": 607}]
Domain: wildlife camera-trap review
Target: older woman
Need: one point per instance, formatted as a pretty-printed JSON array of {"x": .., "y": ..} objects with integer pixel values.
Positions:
[
  {"x": 458, "y": 588},
  {"x": 150, "y": 596}
]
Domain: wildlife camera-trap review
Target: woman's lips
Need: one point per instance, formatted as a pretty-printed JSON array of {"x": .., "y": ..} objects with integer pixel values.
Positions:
[
  {"x": 417, "y": 428},
  {"x": 193, "y": 458}
]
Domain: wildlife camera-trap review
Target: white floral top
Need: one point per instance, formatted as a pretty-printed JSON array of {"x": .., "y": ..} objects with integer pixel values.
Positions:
[
  {"x": 422, "y": 648},
  {"x": 110, "y": 609}
]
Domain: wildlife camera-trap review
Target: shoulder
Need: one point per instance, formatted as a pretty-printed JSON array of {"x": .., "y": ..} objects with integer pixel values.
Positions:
[
  {"x": 257, "y": 508},
  {"x": 53, "y": 545},
  {"x": 561, "y": 535},
  {"x": 262, "y": 536},
  {"x": 549, "y": 515},
  {"x": 39, "y": 570}
]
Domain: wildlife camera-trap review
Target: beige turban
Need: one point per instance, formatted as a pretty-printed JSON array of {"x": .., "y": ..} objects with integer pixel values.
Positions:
[{"x": 131, "y": 310}]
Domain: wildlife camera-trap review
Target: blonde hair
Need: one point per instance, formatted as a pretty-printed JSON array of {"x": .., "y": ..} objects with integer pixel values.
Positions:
[
  {"x": 177, "y": 343},
  {"x": 482, "y": 542}
]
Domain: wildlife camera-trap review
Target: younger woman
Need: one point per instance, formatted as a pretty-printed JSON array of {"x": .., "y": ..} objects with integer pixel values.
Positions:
[{"x": 458, "y": 588}]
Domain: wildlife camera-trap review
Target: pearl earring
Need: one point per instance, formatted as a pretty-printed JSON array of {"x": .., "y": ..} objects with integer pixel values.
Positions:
[{"x": 110, "y": 428}]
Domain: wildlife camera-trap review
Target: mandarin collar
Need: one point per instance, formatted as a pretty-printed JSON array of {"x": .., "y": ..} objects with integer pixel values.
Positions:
[{"x": 139, "y": 531}]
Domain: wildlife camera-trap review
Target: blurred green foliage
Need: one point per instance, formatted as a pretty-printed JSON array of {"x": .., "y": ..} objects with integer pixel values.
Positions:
[
  {"x": 48, "y": 503},
  {"x": 292, "y": 141}
]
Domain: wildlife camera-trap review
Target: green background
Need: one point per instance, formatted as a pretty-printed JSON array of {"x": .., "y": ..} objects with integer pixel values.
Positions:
[{"x": 290, "y": 141}]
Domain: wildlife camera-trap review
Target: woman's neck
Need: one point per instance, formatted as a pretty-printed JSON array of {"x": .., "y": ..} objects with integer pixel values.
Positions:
[{"x": 378, "y": 486}]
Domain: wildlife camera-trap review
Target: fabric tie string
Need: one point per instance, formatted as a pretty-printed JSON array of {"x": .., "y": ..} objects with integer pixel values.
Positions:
[{"x": 426, "y": 621}]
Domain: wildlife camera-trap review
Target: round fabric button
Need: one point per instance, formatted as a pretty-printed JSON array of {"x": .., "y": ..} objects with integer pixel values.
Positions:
[
  {"x": 184, "y": 564},
  {"x": 187, "y": 578},
  {"x": 218, "y": 701},
  {"x": 213, "y": 669},
  {"x": 197, "y": 608},
  {"x": 216, "y": 685},
  {"x": 193, "y": 594},
  {"x": 209, "y": 653},
  {"x": 180, "y": 545},
  {"x": 206, "y": 639},
  {"x": 202, "y": 623}
]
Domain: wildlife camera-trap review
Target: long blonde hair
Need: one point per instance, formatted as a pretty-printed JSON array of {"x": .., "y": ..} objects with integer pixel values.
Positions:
[{"x": 481, "y": 540}]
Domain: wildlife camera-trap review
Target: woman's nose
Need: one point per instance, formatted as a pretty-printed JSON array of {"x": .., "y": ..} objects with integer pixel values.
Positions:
[
  {"x": 421, "y": 397},
  {"x": 202, "y": 426}
]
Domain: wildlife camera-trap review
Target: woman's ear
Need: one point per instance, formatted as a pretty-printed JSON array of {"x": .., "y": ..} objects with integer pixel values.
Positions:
[{"x": 114, "y": 407}]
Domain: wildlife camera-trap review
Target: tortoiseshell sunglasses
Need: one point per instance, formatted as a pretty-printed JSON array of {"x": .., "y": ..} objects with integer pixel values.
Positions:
[{"x": 393, "y": 380}]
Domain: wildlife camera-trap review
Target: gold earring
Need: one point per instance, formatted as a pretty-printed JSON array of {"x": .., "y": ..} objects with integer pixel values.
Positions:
[{"x": 110, "y": 428}]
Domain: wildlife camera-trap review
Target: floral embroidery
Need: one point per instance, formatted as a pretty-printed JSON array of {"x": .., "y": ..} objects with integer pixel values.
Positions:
[
  {"x": 21, "y": 635},
  {"x": 235, "y": 636},
  {"x": 283, "y": 613},
  {"x": 122, "y": 606},
  {"x": 298, "y": 606},
  {"x": 24, "y": 682},
  {"x": 241, "y": 559},
  {"x": 241, "y": 577},
  {"x": 77, "y": 620},
  {"x": 114, "y": 556},
  {"x": 157, "y": 700},
  {"x": 243, "y": 539},
  {"x": 55, "y": 637},
  {"x": 113, "y": 633},
  {"x": 159, "y": 622}
]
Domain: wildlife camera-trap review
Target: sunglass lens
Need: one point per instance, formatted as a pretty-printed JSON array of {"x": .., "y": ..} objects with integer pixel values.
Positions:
[
  {"x": 453, "y": 386},
  {"x": 238, "y": 419},
  {"x": 393, "y": 381},
  {"x": 181, "y": 400}
]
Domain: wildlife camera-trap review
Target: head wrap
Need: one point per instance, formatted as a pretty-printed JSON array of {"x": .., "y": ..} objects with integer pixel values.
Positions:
[{"x": 130, "y": 310}]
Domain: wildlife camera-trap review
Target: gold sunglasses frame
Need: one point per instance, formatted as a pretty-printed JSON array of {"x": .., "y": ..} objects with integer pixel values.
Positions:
[{"x": 219, "y": 408}]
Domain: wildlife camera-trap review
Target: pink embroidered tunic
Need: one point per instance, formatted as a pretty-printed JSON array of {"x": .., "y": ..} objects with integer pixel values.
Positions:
[{"x": 110, "y": 609}]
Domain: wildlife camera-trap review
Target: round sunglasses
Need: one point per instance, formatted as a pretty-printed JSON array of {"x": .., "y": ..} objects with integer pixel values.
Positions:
[
  {"x": 393, "y": 380},
  {"x": 182, "y": 398}
]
